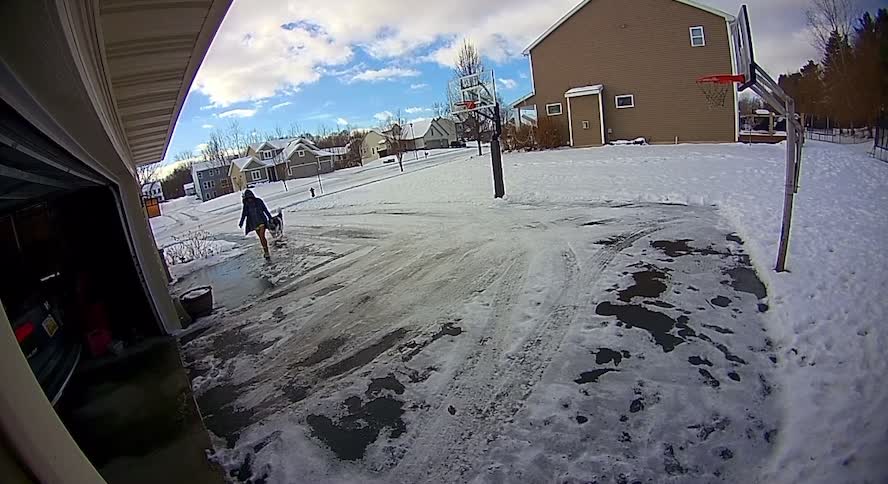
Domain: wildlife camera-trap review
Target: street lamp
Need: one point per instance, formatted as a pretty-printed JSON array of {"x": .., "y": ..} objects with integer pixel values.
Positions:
[
  {"x": 321, "y": 186},
  {"x": 414, "y": 141}
]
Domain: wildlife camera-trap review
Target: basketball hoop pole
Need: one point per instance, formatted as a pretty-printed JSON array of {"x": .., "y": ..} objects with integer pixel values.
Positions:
[
  {"x": 475, "y": 96},
  {"x": 496, "y": 155}
]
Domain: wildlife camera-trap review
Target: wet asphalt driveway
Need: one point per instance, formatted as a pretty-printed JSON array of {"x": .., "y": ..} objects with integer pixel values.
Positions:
[{"x": 511, "y": 343}]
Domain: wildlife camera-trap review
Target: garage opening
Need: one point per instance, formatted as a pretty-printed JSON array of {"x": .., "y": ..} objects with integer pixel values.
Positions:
[
  {"x": 75, "y": 291},
  {"x": 74, "y": 295}
]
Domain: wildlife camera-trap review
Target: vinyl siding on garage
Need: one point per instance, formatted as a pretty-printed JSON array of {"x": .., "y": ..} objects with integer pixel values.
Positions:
[{"x": 643, "y": 48}]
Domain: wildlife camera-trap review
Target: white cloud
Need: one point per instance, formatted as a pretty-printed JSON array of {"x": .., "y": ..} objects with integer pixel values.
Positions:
[
  {"x": 384, "y": 74},
  {"x": 341, "y": 121},
  {"x": 415, "y": 110},
  {"x": 383, "y": 116},
  {"x": 418, "y": 85},
  {"x": 508, "y": 83},
  {"x": 206, "y": 126},
  {"x": 237, "y": 113},
  {"x": 208, "y": 106},
  {"x": 272, "y": 47},
  {"x": 278, "y": 106},
  {"x": 200, "y": 147}
]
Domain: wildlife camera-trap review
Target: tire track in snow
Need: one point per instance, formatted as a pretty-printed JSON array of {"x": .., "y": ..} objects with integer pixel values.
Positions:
[{"x": 493, "y": 388}]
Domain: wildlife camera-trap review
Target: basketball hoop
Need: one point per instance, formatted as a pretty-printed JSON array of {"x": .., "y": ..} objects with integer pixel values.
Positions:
[
  {"x": 467, "y": 105},
  {"x": 716, "y": 87}
]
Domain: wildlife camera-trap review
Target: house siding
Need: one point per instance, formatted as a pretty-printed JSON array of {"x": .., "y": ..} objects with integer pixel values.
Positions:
[
  {"x": 304, "y": 166},
  {"x": 370, "y": 146},
  {"x": 643, "y": 48},
  {"x": 221, "y": 182}
]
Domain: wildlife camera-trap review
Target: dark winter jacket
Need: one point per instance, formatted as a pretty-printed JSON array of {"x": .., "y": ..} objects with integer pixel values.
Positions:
[{"x": 254, "y": 212}]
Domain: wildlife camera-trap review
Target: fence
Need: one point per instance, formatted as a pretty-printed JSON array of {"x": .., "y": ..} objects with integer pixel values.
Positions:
[
  {"x": 880, "y": 141},
  {"x": 839, "y": 135}
]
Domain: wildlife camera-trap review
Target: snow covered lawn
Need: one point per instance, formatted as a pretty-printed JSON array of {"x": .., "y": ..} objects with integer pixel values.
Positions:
[{"x": 415, "y": 329}]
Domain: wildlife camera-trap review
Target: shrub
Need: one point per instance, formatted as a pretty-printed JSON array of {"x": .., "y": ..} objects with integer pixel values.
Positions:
[
  {"x": 548, "y": 135},
  {"x": 191, "y": 246}
]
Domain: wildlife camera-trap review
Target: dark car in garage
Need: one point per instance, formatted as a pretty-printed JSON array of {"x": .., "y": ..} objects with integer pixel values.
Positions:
[{"x": 52, "y": 352}]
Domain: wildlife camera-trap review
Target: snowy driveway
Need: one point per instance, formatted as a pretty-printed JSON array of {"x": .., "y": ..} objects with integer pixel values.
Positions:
[{"x": 502, "y": 343}]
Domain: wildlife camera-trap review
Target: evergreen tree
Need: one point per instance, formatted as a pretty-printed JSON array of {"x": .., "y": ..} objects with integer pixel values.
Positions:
[{"x": 836, "y": 79}]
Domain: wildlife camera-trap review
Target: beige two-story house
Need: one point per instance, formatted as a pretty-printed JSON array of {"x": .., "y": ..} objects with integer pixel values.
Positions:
[
  {"x": 373, "y": 146},
  {"x": 249, "y": 170},
  {"x": 623, "y": 69}
]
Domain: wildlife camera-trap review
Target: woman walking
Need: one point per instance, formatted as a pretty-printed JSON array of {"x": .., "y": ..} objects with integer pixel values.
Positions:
[{"x": 257, "y": 216}]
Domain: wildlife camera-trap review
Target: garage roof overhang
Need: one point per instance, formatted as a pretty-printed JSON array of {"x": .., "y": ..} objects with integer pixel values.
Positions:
[{"x": 105, "y": 79}]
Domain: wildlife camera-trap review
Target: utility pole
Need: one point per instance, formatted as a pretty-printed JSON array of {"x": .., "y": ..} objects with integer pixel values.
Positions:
[{"x": 318, "y": 169}]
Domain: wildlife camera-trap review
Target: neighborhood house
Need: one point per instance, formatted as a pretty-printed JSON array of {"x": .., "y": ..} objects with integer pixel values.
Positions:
[
  {"x": 211, "y": 179},
  {"x": 373, "y": 146},
  {"x": 424, "y": 134},
  {"x": 619, "y": 70},
  {"x": 429, "y": 134},
  {"x": 248, "y": 170},
  {"x": 269, "y": 161},
  {"x": 153, "y": 190}
]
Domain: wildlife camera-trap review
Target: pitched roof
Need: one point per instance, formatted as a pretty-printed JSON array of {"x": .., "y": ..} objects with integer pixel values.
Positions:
[
  {"x": 416, "y": 129},
  {"x": 337, "y": 150},
  {"x": 277, "y": 144},
  {"x": 206, "y": 165},
  {"x": 583, "y": 3},
  {"x": 244, "y": 161},
  {"x": 522, "y": 99},
  {"x": 301, "y": 144}
]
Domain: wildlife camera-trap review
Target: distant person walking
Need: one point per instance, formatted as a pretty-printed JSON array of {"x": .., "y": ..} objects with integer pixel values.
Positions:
[{"x": 257, "y": 216}]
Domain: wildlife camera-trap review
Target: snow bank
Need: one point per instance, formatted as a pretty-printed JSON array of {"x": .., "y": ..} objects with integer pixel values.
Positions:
[
  {"x": 828, "y": 313},
  {"x": 218, "y": 250}
]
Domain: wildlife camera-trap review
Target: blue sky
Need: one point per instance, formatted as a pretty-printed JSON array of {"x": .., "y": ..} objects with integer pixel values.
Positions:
[
  {"x": 336, "y": 102},
  {"x": 321, "y": 63}
]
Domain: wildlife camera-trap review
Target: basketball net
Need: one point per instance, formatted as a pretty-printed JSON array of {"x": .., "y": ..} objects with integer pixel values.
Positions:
[
  {"x": 715, "y": 93},
  {"x": 716, "y": 88}
]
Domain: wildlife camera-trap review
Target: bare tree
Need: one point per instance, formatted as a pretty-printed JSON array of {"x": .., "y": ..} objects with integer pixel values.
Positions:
[
  {"x": 174, "y": 182},
  {"x": 468, "y": 62},
  {"x": 748, "y": 104},
  {"x": 215, "y": 150},
  {"x": 293, "y": 130},
  {"x": 278, "y": 132},
  {"x": 147, "y": 175},
  {"x": 394, "y": 137},
  {"x": 828, "y": 17},
  {"x": 236, "y": 140},
  {"x": 440, "y": 109}
]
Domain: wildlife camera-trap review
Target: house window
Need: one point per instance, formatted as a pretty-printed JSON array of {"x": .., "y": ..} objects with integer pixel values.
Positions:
[
  {"x": 209, "y": 184},
  {"x": 300, "y": 153},
  {"x": 553, "y": 109},
  {"x": 200, "y": 174},
  {"x": 585, "y": 124},
  {"x": 267, "y": 154},
  {"x": 224, "y": 182},
  {"x": 697, "y": 37},
  {"x": 625, "y": 101},
  {"x": 255, "y": 175}
]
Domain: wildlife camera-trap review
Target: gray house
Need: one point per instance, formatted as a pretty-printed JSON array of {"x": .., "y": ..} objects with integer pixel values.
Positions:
[{"x": 211, "y": 179}]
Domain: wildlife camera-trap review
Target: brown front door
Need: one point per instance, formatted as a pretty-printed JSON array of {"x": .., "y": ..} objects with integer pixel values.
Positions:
[{"x": 585, "y": 120}]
